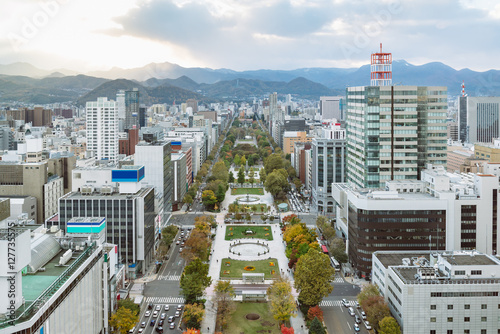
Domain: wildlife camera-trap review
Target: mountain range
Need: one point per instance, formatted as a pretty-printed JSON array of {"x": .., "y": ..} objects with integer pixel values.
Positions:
[{"x": 165, "y": 82}]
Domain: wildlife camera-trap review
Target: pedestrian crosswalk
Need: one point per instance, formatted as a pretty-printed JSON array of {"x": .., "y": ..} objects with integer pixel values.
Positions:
[
  {"x": 165, "y": 300},
  {"x": 326, "y": 303},
  {"x": 169, "y": 278},
  {"x": 338, "y": 279}
]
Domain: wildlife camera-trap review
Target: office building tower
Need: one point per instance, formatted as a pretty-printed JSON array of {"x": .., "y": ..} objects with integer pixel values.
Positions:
[
  {"x": 131, "y": 109},
  {"x": 393, "y": 131},
  {"x": 436, "y": 292},
  {"x": 331, "y": 107},
  {"x": 156, "y": 158},
  {"x": 102, "y": 129},
  {"x": 479, "y": 118},
  {"x": 193, "y": 104},
  {"x": 328, "y": 166}
]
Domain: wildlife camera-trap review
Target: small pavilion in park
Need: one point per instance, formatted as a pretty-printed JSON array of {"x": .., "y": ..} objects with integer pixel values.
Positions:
[
  {"x": 283, "y": 207},
  {"x": 253, "y": 277}
]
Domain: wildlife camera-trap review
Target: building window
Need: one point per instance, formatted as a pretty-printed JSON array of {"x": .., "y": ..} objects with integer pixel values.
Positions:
[
  {"x": 433, "y": 307},
  {"x": 483, "y": 331},
  {"x": 459, "y": 272},
  {"x": 449, "y": 331},
  {"x": 484, "y": 319},
  {"x": 450, "y": 307},
  {"x": 467, "y": 306},
  {"x": 476, "y": 272},
  {"x": 467, "y": 319},
  {"x": 433, "y": 319},
  {"x": 484, "y": 306},
  {"x": 450, "y": 319},
  {"x": 433, "y": 331},
  {"x": 466, "y": 331}
]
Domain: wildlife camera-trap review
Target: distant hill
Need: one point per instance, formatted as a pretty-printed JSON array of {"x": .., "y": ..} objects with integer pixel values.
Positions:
[
  {"x": 26, "y": 69},
  {"x": 148, "y": 95}
]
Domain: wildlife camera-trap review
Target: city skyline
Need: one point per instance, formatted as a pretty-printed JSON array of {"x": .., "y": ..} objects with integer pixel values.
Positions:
[{"x": 245, "y": 35}]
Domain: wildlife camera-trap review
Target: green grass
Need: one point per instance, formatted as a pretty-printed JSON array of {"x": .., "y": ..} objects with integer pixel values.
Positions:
[
  {"x": 235, "y": 268},
  {"x": 250, "y": 191},
  {"x": 239, "y": 324},
  {"x": 260, "y": 207},
  {"x": 238, "y": 232}
]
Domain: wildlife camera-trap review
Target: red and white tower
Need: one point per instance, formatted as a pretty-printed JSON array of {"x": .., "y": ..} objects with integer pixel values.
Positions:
[
  {"x": 463, "y": 88},
  {"x": 381, "y": 69}
]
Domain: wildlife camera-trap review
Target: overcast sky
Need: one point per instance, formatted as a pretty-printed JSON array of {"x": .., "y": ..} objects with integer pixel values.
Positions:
[{"x": 86, "y": 35}]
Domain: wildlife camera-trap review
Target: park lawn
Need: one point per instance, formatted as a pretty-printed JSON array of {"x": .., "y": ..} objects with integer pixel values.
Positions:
[
  {"x": 235, "y": 268},
  {"x": 238, "y": 232},
  {"x": 239, "y": 324},
  {"x": 260, "y": 207},
  {"x": 244, "y": 191}
]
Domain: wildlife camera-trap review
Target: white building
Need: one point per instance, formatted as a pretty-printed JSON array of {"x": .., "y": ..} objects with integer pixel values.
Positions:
[
  {"x": 440, "y": 292},
  {"x": 102, "y": 129}
]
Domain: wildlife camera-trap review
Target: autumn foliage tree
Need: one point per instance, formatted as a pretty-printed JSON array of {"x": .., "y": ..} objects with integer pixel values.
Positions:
[
  {"x": 315, "y": 312},
  {"x": 280, "y": 300},
  {"x": 192, "y": 331},
  {"x": 286, "y": 330},
  {"x": 123, "y": 320},
  {"x": 193, "y": 315}
]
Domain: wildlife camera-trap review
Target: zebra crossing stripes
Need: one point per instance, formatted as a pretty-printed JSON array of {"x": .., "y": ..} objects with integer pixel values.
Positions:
[
  {"x": 165, "y": 300},
  {"x": 326, "y": 303},
  {"x": 338, "y": 279},
  {"x": 169, "y": 278}
]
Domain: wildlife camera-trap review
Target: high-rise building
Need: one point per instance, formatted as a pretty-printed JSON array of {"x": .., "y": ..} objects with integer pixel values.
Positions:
[
  {"x": 193, "y": 104},
  {"x": 102, "y": 129},
  {"x": 479, "y": 118},
  {"x": 328, "y": 166},
  {"x": 131, "y": 109},
  {"x": 157, "y": 160},
  {"x": 331, "y": 107},
  {"x": 393, "y": 131}
]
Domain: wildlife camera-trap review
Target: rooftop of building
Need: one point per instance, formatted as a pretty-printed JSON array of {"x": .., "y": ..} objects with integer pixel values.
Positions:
[
  {"x": 472, "y": 259},
  {"x": 396, "y": 258},
  {"x": 77, "y": 194}
]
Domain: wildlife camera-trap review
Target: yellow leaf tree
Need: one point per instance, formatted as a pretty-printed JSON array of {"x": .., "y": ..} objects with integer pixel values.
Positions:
[
  {"x": 123, "y": 320},
  {"x": 281, "y": 302}
]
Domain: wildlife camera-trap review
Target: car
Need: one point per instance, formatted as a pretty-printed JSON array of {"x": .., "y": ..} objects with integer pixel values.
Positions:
[
  {"x": 158, "y": 308},
  {"x": 167, "y": 307},
  {"x": 160, "y": 323},
  {"x": 179, "y": 238},
  {"x": 363, "y": 315},
  {"x": 357, "y": 319},
  {"x": 351, "y": 311},
  {"x": 367, "y": 325},
  {"x": 180, "y": 250},
  {"x": 132, "y": 330},
  {"x": 140, "y": 330},
  {"x": 172, "y": 325},
  {"x": 155, "y": 314},
  {"x": 177, "y": 242},
  {"x": 163, "y": 315},
  {"x": 152, "y": 323},
  {"x": 159, "y": 329},
  {"x": 147, "y": 314},
  {"x": 177, "y": 314},
  {"x": 345, "y": 302},
  {"x": 171, "y": 318},
  {"x": 179, "y": 307},
  {"x": 143, "y": 324},
  {"x": 150, "y": 306},
  {"x": 356, "y": 327},
  {"x": 182, "y": 245},
  {"x": 357, "y": 305}
]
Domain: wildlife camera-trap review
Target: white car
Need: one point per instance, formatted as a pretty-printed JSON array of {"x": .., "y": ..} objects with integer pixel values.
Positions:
[{"x": 367, "y": 325}]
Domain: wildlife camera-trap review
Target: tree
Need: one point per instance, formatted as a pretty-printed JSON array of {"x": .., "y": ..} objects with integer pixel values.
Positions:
[
  {"x": 316, "y": 327},
  {"x": 123, "y": 320},
  {"x": 298, "y": 184},
  {"x": 188, "y": 199},
  {"x": 237, "y": 160},
  {"x": 243, "y": 161},
  {"x": 231, "y": 177},
  {"x": 313, "y": 275},
  {"x": 129, "y": 303},
  {"x": 208, "y": 198},
  {"x": 315, "y": 312},
  {"x": 376, "y": 309},
  {"x": 337, "y": 248},
  {"x": 197, "y": 245},
  {"x": 274, "y": 161},
  {"x": 219, "y": 171},
  {"x": 223, "y": 298},
  {"x": 286, "y": 330},
  {"x": 193, "y": 315},
  {"x": 280, "y": 299},
  {"x": 251, "y": 179},
  {"x": 221, "y": 193},
  {"x": 389, "y": 325},
  {"x": 192, "y": 331},
  {"x": 241, "y": 175},
  {"x": 366, "y": 292},
  {"x": 275, "y": 182},
  {"x": 194, "y": 280}
]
